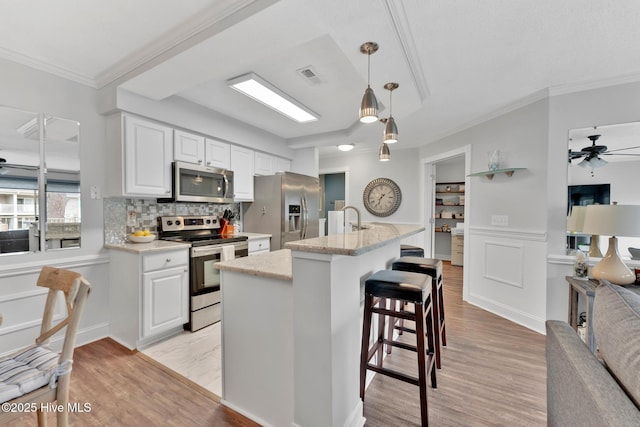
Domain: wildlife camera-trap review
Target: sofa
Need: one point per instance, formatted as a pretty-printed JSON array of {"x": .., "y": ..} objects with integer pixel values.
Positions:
[{"x": 583, "y": 390}]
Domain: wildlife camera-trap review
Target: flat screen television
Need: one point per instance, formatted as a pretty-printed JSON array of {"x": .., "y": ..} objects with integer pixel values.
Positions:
[{"x": 588, "y": 194}]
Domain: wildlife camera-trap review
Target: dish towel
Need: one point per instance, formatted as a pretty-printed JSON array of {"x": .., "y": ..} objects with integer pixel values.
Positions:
[
  {"x": 336, "y": 222},
  {"x": 228, "y": 252}
]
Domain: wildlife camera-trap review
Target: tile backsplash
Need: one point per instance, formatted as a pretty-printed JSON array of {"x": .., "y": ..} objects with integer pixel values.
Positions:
[{"x": 123, "y": 216}]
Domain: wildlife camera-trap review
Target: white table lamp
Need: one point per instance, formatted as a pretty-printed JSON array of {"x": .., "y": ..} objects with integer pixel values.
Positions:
[
  {"x": 575, "y": 224},
  {"x": 613, "y": 220}
]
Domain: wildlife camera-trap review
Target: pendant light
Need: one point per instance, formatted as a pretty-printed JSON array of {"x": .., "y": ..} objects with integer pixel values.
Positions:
[
  {"x": 369, "y": 104},
  {"x": 384, "y": 155},
  {"x": 390, "y": 129}
]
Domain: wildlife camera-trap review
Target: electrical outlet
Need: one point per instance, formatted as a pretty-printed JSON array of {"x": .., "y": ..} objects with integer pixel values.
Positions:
[
  {"x": 501, "y": 220},
  {"x": 95, "y": 192}
]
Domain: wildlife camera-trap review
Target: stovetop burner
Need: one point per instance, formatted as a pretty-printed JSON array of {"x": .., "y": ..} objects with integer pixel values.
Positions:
[{"x": 197, "y": 230}]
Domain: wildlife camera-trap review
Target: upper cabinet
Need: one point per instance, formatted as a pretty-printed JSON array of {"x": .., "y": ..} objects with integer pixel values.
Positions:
[
  {"x": 242, "y": 165},
  {"x": 217, "y": 153},
  {"x": 283, "y": 165},
  {"x": 188, "y": 147},
  {"x": 141, "y": 156},
  {"x": 267, "y": 164},
  {"x": 264, "y": 164}
]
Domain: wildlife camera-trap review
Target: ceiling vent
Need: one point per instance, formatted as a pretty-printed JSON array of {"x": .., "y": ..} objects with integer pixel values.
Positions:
[{"x": 309, "y": 75}]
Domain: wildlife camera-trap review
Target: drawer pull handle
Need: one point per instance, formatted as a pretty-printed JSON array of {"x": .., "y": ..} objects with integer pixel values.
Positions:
[{"x": 168, "y": 260}]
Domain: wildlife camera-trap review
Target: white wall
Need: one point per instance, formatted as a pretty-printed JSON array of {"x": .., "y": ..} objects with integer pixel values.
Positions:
[
  {"x": 403, "y": 168},
  {"x": 21, "y": 302},
  {"x": 507, "y": 264}
]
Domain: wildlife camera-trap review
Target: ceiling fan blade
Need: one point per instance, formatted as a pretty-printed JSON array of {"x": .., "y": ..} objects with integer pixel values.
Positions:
[
  {"x": 621, "y": 149},
  {"x": 621, "y": 154}
]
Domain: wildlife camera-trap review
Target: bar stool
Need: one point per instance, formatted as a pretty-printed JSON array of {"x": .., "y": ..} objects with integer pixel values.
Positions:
[
  {"x": 404, "y": 287},
  {"x": 431, "y": 267},
  {"x": 408, "y": 250}
]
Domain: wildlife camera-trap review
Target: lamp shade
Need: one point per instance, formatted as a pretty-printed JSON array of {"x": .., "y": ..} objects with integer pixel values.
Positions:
[
  {"x": 390, "y": 131},
  {"x": 369, "y": 107},
  {"x": 384, "y": 155},
  {"x": 612, "y": 220},
  {"x": 575, "y": 223}
]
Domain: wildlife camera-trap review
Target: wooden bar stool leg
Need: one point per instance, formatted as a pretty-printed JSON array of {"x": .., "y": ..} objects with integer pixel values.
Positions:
[
  {"x": 436, "y": 321},
  {"x": 380, "y": 338},
  {"x": 422, "y": 363},
  {"x": 443, "y": 326},
  {"x": 431, "y": 334},
  {"x": 364, "y": 350}
]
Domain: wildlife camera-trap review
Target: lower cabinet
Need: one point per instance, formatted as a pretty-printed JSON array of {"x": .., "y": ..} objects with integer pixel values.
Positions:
[
  {"x": 149, "y": 296},
  {"x": 259, "y": 245},
  {"x": 457, "y": 250}
]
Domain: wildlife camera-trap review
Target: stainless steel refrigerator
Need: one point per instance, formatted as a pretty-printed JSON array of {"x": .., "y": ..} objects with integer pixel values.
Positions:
[{"x": 284, "y": 205}]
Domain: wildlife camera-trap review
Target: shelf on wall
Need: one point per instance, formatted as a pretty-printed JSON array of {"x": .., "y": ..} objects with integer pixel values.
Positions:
[{"x": 490, "y": 174}]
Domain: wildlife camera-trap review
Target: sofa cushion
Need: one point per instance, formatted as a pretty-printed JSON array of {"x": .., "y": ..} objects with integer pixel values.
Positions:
[{"x": 616, "y": 327}]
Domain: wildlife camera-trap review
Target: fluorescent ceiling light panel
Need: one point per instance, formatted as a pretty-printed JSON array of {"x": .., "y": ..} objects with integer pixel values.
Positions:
[{"x": 262, "y": 91}]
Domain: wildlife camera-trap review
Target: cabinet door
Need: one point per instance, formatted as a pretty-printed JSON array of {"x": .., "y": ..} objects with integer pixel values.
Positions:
[
  {"x": 217, "y": 153},
  {"x": 148, "y": 156},
  {"x": 283, "y": 165},
  {"x": 165, "y": 300},
  {"x": 188, "y": 147},
  {"x": 264, "y": 164},
  {"x": 242, "y": 167}
]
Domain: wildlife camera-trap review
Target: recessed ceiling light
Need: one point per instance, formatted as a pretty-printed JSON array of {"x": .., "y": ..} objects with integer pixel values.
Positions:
[
  {"x": 262, "y": 91},
  {"x": 346, "y": 147}
]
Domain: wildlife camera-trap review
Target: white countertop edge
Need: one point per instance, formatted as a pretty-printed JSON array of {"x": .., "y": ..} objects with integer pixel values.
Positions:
[
  {"x": 357, "y": 242},
  {"x": 154, "y": 246},
  {"x": 274, "y": 265}
]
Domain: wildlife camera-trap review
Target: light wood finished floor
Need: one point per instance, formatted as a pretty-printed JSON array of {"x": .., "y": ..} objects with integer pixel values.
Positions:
[
  {"x": 493, "y": 374},
  {"x": 195, "y": 355}
]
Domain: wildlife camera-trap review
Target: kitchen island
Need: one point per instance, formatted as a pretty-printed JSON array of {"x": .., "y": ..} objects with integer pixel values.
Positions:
[{"x": 291, "y": 320}]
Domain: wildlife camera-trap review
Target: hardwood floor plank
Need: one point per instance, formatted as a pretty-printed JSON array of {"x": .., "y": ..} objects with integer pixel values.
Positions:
[
  {"x": 493, "y": 373},
  {"x": 126, "y": 389}
]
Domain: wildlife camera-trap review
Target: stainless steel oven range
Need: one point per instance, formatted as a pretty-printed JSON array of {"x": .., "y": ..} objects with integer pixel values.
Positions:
[{"x": 207, "y": 248}]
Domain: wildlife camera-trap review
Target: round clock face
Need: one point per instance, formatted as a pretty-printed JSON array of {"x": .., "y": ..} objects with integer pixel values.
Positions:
[{"x": 382, "y": 197}]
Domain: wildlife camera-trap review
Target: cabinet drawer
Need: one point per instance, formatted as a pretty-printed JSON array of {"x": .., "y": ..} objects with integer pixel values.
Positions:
[
  {"x": 259, "y": 245},
  {"x": 165, "y": 260}
]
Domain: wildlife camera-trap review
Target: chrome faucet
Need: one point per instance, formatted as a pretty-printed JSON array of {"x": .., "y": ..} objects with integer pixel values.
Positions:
[{"x": 357, "y": 215}]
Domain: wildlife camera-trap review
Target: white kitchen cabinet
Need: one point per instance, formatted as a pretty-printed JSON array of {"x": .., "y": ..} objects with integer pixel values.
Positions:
[
  {"x": 149, "y": 295},
  {"x": 242, "y": 165},
  {"x": 283, "y": 165},
  {"x": 259, "y": 245},
  {"x": 188, "y": 147},
  {"x": 217, "y": 153},
  {"x": 140, "y": 155},
  {"x": 264, "y": 164}
]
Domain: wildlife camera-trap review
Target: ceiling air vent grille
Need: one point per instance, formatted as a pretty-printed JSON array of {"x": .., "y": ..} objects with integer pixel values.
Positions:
[{"x": 309, "y": 75}]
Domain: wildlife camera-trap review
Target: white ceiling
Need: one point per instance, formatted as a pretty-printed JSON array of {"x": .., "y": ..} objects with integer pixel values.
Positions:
[{"x": 457, "y": 62}]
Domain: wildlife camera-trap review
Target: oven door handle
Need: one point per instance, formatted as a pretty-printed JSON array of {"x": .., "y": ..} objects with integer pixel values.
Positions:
[{"x": 205, "y": 251}]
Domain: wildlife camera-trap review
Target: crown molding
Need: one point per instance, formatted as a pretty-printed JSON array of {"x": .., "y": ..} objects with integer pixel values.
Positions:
[
  {"x": 46, "y": 67},
  {"x": 593, "y": 84},
  {"x": 402, "y": 30},
  {"x": 197, "y": 29}
]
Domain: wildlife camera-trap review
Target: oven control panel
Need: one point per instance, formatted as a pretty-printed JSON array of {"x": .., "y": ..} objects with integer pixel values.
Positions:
[{"x": 179, "y": 223}]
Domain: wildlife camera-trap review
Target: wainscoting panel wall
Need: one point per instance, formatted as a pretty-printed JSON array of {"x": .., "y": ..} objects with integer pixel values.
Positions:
[
  {"x": 507, "y": 274},
  {"x": 22, "y": 302}
]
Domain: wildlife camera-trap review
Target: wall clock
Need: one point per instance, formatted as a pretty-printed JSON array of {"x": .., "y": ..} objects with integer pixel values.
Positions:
[{"x": 382, "y": 197}]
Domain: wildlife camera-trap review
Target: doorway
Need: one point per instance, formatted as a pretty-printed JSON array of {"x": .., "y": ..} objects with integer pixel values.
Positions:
[
  {"x": 333, "y": 193},
  {"x": 442, "y": 172}
]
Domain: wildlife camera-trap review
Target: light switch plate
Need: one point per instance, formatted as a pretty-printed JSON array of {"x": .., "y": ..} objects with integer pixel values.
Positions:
[{"x": 95, "y": 192}]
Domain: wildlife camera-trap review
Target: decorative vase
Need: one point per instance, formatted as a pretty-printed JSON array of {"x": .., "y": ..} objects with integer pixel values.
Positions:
[
  {"x": 581, "y": 265},
  {"x": 495, "y": 156}
]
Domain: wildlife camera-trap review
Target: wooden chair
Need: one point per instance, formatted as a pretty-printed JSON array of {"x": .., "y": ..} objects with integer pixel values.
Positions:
[{"x": 37, "y": 376}]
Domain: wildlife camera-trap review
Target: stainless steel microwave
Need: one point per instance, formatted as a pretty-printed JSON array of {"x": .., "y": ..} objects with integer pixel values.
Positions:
[{"x": 203, "y": 184}]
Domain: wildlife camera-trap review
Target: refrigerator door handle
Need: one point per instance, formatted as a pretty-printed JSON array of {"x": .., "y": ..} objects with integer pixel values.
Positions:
[{"x": 305, "y": 218}]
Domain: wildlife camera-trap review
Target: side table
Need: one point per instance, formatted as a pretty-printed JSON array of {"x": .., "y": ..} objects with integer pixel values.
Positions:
[{"x": 587, "y": 288}]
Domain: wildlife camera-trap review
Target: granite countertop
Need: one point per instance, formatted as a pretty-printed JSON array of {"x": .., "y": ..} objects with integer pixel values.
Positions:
[
  {"x": 154, "y": 246},
  {"x": 358, "y": 242},
  {"x": 275, "y": 265}
]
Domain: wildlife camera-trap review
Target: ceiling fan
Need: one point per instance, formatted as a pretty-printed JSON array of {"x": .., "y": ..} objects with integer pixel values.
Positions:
[{"x": 593, "y": 152}]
